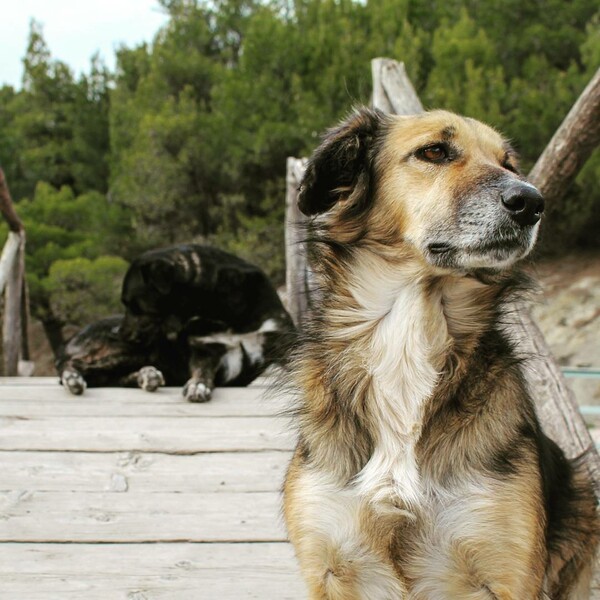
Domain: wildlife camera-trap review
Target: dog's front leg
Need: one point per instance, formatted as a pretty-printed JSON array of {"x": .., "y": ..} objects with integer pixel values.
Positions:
[
  {"x": 148, "y": 378},
  {"x": 73, "y": 380},
  {"x": 204, "y": 363}
]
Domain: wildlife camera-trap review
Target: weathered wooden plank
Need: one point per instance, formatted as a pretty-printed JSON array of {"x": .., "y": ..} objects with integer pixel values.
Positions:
[
  {"x": 262, "y": 381},
  {"x": 48, "y": 387},
  {"x": 160, "y": 434},
  {"x": 231, "y": 407},
  {"x": 149, "y": 572},
  {"x": 27, "y": 382},
  {"x": 143, "y": 472},
  {"x": 297, "y": 271},
  {"x": 18, "y": 400},
  {"x": 140, "y": 517},
  {"x": 555, "y": 403}
]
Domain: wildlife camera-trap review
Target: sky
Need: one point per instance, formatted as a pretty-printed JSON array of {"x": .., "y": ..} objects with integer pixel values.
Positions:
[{"x": 74, "y": 30}]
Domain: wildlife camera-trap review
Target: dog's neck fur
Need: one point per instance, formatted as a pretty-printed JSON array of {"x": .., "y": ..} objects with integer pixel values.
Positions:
[{"x": 384, "y": 350}]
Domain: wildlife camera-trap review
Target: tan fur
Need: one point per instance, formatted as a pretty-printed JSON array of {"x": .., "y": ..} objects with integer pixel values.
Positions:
[{"x": 413, "y": 478}]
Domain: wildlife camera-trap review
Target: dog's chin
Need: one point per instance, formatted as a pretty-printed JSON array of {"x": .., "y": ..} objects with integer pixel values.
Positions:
[{"x": 495, "y": 255}]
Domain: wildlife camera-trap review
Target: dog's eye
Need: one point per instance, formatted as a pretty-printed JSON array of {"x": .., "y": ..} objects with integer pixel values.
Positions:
[
  {"x": 509, "y": 162},
  {"x": 436, "y": 153}
]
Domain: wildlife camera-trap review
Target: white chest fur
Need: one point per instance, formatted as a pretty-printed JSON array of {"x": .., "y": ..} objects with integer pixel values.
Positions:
[{"x": 405, "y": 350}]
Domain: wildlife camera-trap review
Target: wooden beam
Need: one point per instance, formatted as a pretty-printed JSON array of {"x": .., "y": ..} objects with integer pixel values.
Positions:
[
  {"x": 570, "y": 147},
  {"x": 25, "y": 319}
]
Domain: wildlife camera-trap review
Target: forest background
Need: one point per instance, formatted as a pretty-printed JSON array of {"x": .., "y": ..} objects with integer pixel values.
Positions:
[{"x": 187, "y": 139}]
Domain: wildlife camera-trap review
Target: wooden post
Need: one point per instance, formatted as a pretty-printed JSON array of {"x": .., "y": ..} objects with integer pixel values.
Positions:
[
  {"x": 555, "y": 402},
  {"x": 297, "y": 272},
  {"x": 392, "y": 90},
  {"x": 11, "y": 331},
  {"x": 8, "y": 257},
  {"x": 12, "y": 281},
  {"x": 25, "y": 354}
]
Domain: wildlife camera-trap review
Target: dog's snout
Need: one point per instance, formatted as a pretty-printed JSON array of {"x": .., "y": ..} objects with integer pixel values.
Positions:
[{"x": 524, "y": 203}]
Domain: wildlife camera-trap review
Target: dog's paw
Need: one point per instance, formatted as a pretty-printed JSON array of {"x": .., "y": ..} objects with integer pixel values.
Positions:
[
  {"x": 73, "y": 381},
  {"x": 150, "y": 379},
  {"x": 196, "y": 391}
]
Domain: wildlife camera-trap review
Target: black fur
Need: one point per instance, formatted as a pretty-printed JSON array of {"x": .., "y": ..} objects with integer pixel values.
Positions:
[
  {"x": 195, "y": 313},
  {"x": 341, "y": 163}
]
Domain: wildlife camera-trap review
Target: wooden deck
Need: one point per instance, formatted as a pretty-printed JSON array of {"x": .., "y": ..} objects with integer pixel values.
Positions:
[{"x": 122, "y": 494}]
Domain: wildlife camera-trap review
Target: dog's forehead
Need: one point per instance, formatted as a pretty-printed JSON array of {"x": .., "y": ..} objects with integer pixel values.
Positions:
[{"x": 407, "y": 132}]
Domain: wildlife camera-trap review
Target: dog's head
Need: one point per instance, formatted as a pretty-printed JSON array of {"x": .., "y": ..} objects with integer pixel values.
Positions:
[
  {"x": 148, "y": 281},
  {"x": 445, "y": 186}
]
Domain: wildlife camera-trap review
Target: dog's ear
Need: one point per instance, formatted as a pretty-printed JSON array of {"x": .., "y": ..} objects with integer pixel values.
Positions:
[
  {"x": 340, "y": 168},
  {"x": 160, "y": 274}
]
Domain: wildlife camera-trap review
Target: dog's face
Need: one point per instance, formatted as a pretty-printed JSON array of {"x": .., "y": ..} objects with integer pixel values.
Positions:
[{"x": 446, "y": 186}]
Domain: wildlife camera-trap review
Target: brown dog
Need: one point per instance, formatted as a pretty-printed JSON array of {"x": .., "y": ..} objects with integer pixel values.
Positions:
[{"x": 421, "y": 470}]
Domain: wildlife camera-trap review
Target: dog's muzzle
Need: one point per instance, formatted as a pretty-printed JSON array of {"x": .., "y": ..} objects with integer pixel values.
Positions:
[{"x": 523, "y": 202}]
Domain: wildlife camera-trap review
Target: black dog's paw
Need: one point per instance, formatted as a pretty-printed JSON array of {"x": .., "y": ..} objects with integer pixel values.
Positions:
[
  {"x": 196, "y": 391},
  {"x": 73, "y": 381},
  {"x": 150, "y": 379}
]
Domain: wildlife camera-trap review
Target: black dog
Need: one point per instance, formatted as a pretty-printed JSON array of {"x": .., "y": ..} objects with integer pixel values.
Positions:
[
  {"x": 98, "y": 356},
  {"x": 195, "y": 316}
]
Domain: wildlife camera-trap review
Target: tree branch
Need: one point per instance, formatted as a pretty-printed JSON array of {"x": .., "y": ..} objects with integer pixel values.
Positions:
[{"x": 7, "y": 207}]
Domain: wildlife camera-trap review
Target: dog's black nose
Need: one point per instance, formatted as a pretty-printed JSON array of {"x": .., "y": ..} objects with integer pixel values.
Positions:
[{"x": 524, "y": 203}]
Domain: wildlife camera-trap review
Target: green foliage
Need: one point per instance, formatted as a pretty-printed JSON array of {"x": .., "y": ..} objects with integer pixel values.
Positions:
[
  {"x": 187, "y": 140},
  {"x": 57, "y": 128},
  {"x": 466, "y": 77},
  {"x": 167, "y": 154},
  {"x": 61, "y": 226},
  {"x": 253, "y": 237},
  {"x": 83, "y": 290}
]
